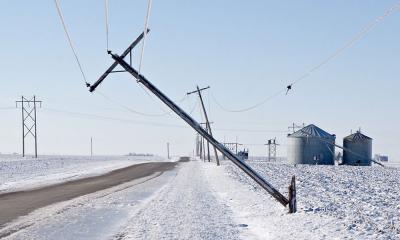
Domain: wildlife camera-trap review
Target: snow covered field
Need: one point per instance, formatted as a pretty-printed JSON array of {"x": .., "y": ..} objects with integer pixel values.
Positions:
[
  {"x": 201, "y": 201},
  {"x": 336, "y": 201},
  {"x": 18, "y": 173}
]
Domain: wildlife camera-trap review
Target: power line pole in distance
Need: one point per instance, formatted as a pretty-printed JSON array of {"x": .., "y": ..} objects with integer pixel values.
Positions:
[
  {"x": 208, "y": 127},
  {"x": 272, "y": 149},
  {"x": 29, "y": 120}
]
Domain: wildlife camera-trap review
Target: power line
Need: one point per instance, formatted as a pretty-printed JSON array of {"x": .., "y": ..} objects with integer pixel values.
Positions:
[
  {"x": 146, "y": 24},
  {"x": 250, "y": 107},
  {"x": 132, "y": 121},
  {"x": 7, "y": 108},
  {"x": 70, "y": 41},
  {"x": 357, "y": 37},
  {"x": 107, "y": 25},
  {"x": 106, "y": 118},
  {"x": 130, "y": 109}
]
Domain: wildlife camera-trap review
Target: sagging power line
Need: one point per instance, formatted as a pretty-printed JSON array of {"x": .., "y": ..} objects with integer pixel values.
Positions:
[{"x": 357, "y": 37}]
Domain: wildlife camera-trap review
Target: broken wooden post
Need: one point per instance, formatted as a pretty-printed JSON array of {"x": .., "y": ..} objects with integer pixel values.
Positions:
[{"x": 292, "y": 196}]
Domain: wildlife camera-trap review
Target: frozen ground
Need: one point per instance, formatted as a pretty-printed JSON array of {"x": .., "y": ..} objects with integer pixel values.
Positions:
[
  {"x": 176, "y": 205},
  {"x": 17, "y": 173},
  {"x": 333, "y": 201},
  {"x": 201, "y": 201}
]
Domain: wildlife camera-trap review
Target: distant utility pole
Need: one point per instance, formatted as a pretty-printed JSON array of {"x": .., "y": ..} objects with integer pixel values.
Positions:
[
  {"x": 272, "y": 149},
  {"x": 294, "y": 127},
  {"x": 91, "y": 146},
  {"x": 168, "y": 150},
  {"x": 233, "y": 146},
  {"x": 29, "y": 122},
  {"x": 208, "y": 127},
  {"x": 208, "y": 146}
]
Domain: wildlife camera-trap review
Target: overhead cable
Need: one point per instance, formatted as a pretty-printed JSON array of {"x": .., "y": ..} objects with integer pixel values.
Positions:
[
  {"x": 146, "y": 24},
  {"x": 106, "y": 6},
  {"x": 70, "y": 41},
  {"x": 357, "y": 37}
]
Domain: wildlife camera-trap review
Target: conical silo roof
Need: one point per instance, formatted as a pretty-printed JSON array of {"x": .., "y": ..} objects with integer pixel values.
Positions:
[
  {"x": 312, "y": 131},
  {"x": 358, "y": 136}
]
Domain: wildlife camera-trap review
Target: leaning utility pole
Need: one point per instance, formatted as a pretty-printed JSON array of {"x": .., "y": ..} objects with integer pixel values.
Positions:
[
  {"x": 119, "y": 60},
  {"x": 272, "y": 149},
  {"x": 208, "y": 126},
  {"x": 28, "y": 120}
]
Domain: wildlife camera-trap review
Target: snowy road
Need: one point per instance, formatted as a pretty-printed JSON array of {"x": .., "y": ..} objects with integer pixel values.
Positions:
[
  {"x": 15, "y": 204},
  {"x": 199, "y": 200},
  {"x": 176, "y": 205},
  {"x": 18, "y": 173}
]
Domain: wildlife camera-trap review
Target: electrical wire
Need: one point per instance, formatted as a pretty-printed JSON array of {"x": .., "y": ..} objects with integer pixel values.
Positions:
[
  {"x": 70, "y": 41},
  {"x": 7, "y": 108},
  {"x": 135, "y": 111},
  {"x": 100, "y": 117},
  {"x": 106, "y": 118},
  {"x": 250, "y": 107},
  {"x": 146, "y": 24},
  {"x": 357, "y": 37},
  {"x": 106, "y": 7}
]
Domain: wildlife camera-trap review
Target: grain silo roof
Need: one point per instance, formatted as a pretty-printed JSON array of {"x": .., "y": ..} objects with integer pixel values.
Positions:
[
  {"x": 312, "y": 131},
  {"x": 357, "y": 136}
]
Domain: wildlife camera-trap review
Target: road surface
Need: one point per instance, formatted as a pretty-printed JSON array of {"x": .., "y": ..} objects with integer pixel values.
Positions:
[{"x": 16, "y": 204}]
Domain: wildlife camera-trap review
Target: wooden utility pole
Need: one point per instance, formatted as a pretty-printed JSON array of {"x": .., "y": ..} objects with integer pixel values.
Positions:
[
  {"x": 190, "y": 121},
  {"x": 208, "y": 126},
  {"x": 29, "y": 122},
  {"x": 168, "y": 150},
  {"x": 91, "y": 146}
]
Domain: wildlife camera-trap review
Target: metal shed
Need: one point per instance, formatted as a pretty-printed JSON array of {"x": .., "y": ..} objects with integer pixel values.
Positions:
[
  {"x": 357, "y": 150},
  {"x": 311, "y": 145}
]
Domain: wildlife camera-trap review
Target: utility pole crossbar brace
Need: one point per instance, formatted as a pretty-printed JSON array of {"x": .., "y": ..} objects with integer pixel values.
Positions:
[{"x": 194, "y": 124}]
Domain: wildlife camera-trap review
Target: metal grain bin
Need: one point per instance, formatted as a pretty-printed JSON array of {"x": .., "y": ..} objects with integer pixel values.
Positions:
[
  {"x": 311, "y": 145},
  {"x": 358, "y": 150}
]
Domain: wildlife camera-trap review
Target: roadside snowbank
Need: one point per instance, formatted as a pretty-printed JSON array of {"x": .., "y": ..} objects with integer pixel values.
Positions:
[{"x": 17, "y": 173}]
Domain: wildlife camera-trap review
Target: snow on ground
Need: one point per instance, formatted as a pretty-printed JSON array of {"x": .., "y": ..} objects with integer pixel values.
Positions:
[
  {"x": 176, "y": 205},
  {"x": 184, "y": 209},
  {"x": 333, "y": 201},
  {"x": 17, "y": 173},
  {"x": 201, "y": 201}
]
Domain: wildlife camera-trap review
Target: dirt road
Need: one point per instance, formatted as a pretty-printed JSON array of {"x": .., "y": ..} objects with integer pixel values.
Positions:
[{"x": 13, "y": 205}]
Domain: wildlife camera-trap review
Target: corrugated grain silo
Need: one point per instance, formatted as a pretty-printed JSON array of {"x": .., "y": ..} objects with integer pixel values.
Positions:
[
  {"x": 357, "y": 150},
  {"x": 311, "y": 145}
]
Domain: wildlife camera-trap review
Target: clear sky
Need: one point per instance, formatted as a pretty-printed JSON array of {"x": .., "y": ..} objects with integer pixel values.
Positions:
[{"x": 245, "y": 50}]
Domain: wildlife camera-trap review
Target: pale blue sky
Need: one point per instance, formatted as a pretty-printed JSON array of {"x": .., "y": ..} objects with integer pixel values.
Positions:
[{"x": 245, "y": 50}]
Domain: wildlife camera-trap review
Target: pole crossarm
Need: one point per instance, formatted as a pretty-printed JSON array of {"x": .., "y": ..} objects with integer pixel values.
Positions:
[
  {"x": 197, "y": 127},
  {"x": 196, "y": 91},
  {"x": 115, "y": 64}
]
